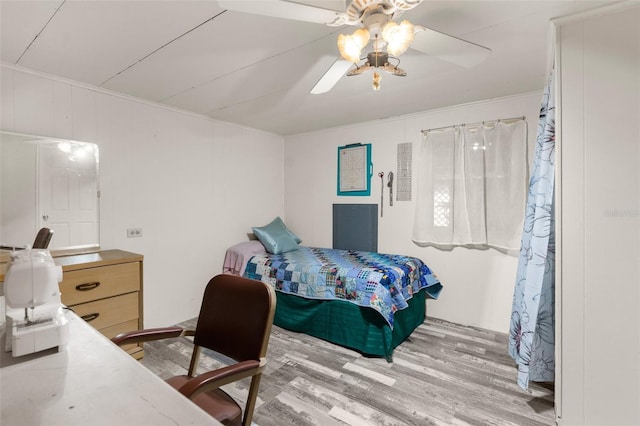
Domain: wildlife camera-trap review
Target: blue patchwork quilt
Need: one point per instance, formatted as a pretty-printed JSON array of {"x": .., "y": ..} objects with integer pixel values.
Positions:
[{"x": 383, "y": 282}]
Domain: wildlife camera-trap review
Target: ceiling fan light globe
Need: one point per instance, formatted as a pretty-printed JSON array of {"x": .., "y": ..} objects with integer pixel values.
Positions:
[
  {"x": 349, "y": 47},
  {"x": 388, "y": 30},
  {"x": 398, "y": 36},
  {"x": 396, "y": 50},
  {"x": 362, "y": 37}
]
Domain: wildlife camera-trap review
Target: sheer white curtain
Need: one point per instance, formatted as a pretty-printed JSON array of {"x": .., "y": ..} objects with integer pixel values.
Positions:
[{"x": 471, "y": 187}]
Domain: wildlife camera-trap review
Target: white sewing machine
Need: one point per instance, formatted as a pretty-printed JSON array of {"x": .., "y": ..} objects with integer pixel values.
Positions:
[{"x": 35, "y": 319}]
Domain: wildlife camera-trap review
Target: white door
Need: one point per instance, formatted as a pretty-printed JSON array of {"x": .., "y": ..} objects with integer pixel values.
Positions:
[{"x": 68, "y": 192}]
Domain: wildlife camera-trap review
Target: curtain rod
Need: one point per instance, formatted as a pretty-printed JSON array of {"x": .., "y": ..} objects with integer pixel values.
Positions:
[{"x": 500, "y": 120}]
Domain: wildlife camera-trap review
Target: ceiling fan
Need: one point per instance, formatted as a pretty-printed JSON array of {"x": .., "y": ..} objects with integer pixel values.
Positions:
[{"x": 376, "y": 24}]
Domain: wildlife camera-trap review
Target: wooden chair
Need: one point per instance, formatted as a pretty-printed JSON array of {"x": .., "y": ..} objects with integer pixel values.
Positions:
[
  {"x": 235, "y": 320},
  {"x": 43, "y": 237}
]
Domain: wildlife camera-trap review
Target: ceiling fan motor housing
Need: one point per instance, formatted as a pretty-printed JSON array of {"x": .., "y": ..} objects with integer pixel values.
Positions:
[
  {"x": 377, "y": 59},
  {"x": 374, "y": 19},
  {"x": 355, "y": 9}
]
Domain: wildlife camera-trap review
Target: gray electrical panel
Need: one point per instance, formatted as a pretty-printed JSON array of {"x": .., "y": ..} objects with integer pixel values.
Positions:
[{"x": 355, "y": 227}]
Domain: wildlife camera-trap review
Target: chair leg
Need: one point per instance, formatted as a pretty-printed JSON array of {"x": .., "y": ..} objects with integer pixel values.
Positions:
[
  {"x": 251, "y": 400},
  {"x": 195, "y": 358}
]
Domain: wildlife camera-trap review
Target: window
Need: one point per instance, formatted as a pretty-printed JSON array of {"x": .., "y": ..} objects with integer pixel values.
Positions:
[{"x": 471, "y": 186}]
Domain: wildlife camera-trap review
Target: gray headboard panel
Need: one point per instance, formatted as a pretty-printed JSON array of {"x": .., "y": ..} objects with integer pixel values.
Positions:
[{"x": 355, "y": 227}]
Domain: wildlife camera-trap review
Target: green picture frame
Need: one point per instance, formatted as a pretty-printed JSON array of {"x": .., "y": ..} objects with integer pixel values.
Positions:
[{"x": 355, "y": 170}]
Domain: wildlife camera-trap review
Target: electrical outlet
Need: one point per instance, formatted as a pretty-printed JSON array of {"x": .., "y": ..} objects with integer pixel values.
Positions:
[{"x": 134, "y": 232}]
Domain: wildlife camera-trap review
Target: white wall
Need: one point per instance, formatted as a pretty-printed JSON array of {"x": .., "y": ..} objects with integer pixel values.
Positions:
[
  {"x": 18, "y": 213},
  {"x": 478, "y": 284},
  {"x": 599, "y": 244},
  {"x": 195, "y": 186}
]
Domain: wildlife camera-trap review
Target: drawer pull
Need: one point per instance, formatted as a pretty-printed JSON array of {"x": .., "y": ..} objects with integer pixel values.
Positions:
[
  {"x": 90, "y": 317},
  {"x": 88, "y": 286}
]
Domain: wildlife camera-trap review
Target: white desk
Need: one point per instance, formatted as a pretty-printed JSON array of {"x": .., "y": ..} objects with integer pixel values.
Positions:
[{"x": 93, "y": 382}]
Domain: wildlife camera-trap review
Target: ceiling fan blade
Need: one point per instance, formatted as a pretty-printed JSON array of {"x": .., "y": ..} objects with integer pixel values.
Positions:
[
  {"x": 449, "y": 48},
  {"x": 331, "y": 77},
  {"x": 283, "y": 9}
]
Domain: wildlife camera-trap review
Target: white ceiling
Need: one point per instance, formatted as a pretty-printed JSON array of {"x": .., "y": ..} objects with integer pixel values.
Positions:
[{"x": 257, "y": 71}]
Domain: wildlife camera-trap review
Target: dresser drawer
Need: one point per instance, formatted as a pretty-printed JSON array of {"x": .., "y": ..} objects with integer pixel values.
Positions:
[
  {"x": 89, "y": 284},
  {"x": 109, "y": 312}
]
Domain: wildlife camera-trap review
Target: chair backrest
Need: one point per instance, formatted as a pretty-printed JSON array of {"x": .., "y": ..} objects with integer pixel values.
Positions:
[
  {"x": 43, "y": 237},
  {"x": 236, "y": 316}
]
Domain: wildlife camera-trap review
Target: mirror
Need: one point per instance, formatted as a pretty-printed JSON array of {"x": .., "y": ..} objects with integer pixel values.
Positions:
[{"x": 52, "y": 183}]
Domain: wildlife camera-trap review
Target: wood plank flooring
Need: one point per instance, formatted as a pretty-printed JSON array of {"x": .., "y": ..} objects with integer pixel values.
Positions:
[{"x": 445, "y": 374}]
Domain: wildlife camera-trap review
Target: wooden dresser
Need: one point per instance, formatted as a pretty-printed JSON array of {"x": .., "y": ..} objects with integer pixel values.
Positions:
[{"x": 105, "y": 289}]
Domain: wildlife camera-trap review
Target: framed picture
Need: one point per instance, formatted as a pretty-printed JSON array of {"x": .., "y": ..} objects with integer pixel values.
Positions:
[{"x": 354, "y": 169}]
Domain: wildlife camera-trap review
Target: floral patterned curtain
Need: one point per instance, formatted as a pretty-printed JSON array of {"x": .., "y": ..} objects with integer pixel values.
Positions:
[{"x": 531, "y": 340}]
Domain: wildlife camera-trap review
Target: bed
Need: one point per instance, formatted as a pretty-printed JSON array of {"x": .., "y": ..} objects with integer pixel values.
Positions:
[{"x": 366, "y": 301}]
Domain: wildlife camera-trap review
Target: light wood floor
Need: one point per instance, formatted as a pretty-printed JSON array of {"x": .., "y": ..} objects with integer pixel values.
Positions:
[{"x": 445, "y": 374}]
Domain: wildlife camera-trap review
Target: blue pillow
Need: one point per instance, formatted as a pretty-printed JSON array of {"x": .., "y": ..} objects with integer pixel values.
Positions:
[
  {"x": 276, "y": 237},
  {"x": 279, "y": 221}
]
